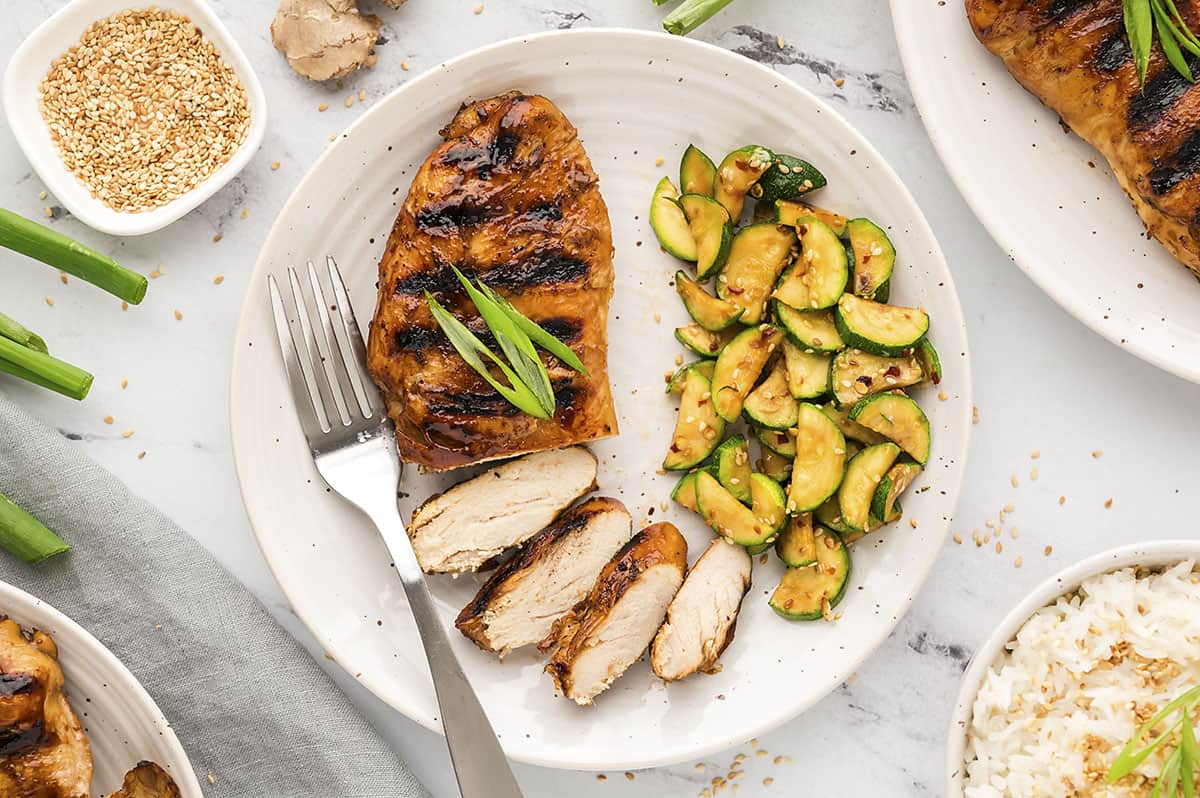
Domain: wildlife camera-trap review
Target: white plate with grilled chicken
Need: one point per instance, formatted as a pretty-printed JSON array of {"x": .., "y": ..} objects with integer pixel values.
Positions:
[
  {"x": 567, "y": 561},
  {"x": 1048, "y": 197},
  {"x": 76, "y": 723}
]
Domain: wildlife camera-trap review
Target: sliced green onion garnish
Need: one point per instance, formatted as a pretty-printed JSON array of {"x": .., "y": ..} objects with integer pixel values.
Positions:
[
  {"x": 25, "y": 536},
  {"x": 469, "y": 347},
  {"x": 536, "y": 333}
]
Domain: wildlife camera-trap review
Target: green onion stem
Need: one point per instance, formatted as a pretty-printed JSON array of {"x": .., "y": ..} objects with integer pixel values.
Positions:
[
  {"x": 25, "y": 536},
  {"x": 13, "y": 330},
  {"x": 44, "y": 370},
  {"x": 691, "y": 15},
  {"x": 51, "y": 247}
]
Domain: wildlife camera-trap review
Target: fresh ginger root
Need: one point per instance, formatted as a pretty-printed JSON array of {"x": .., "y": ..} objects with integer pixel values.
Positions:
[{"x": 324, "y": 39}]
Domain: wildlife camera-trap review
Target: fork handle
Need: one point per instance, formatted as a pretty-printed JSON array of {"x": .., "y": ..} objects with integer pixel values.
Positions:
[{"x": 479, "y": 763}]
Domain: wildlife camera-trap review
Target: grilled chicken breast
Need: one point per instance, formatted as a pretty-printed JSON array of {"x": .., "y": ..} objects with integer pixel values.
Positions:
[
  {"x": 1074, "y": 55},
  {"x": 702, "y": 616},
  {"x": 43, "y": 750},
  {"x": 510, "y": 197},
  {"x": 476, "y": 521},
  {"x": 547, "y": 577},
  {"x": 606, "y": 632},
  {"x": 147, "y": 780}
]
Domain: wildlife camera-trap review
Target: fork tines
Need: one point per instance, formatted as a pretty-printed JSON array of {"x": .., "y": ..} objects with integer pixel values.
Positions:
[{"x": 325, "y": 363}]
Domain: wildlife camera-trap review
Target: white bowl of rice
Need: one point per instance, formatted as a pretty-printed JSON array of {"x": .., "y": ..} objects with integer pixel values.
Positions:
[{"x": 1051, "y": 698}]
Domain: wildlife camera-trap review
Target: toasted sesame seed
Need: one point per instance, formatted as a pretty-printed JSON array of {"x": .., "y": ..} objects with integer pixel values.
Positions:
[
  {"x": 274, "y": 165},
  {"x": 217, "y": 238},
  {"x": 141, "y": 455},
  {"x": 1096, "y": 454},
  {"x": 912, "y": 522},
  {"x": 1013, "y": 480},
  {"x": 958, "y": 538},
  {"x": 350, "y": 101},
  {"x": 839, "y": 82},
  {"x": 1062, "y": 500},
  {"x": 142, "y": 108},
  {"x": 404, "y": 65},
  {"x": 362, "y": 95},
  {"x": 124, "y": 384},
  {"x": 1048, "y": 550},
  {"x": 768, "y": 781},
  {"x": 601, "y": 777},
  {"x": 1008, "y": 508},
  {"x": 323, "y": 107},
  {"x": 245, "y": 212},
  {"x": 1033, "y": 474},
  {"x": 779, "y": 41},
  {"x": 657, "y": 318},
  {"x": 479, "y": 10},
  {"x": 1108, "y": 504},
  {"x": 999, "y": 547},
  {"x": 942, "y": 396},
  {"x": 628, "y": 775},
  {"x": 178, "y": 315},
  {"x": 49, "y": 212},
  {"x": 50, "y": 300},
  {"x": 42, "y": 195},
  {"x": 1035, "y": 455},
  {"x": 124, "y": 305},
  {"x": 1017, "y": 562},
  {"x": 220, "y": 278},
  {"x": 63, "y": 278},
  {"x": 126, "y": 433},
  {"x": 659, "y": 161},
  {"x": 108, "y": 419}
]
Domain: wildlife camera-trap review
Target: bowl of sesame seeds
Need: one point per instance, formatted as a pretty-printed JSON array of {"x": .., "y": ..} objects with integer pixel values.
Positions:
[{"x": 133, "y": 116}]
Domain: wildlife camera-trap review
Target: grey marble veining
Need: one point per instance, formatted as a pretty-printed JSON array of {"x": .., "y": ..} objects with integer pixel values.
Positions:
[{"x": 1042, "y": 381}]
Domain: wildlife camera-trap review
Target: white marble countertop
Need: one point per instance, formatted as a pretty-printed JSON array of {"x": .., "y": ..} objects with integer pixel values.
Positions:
[{"x": 1106, "y": 425}]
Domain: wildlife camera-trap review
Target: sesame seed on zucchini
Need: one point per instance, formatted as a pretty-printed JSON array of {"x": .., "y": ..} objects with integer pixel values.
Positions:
[
  {"x": 855, "y": 374},
  {"x": 874, "y": 258},
  {"x": 809, "y": 593},
  {"x": 705, "y": 367},
  {"x": 796, "y": 544},
  {"x": 734, "y": 521},
  {"x": 771, "y": 403},
  {"x": 819, "y": 462},
  {"x": 757, "y": 257},
  {"x": 739, "y": 170},
  {"x": 788, "y": 212},
  {"x": 863, "y": 474},
  {"x": 698, "y": 429},
  {"x": 775, "y": 466},
  {"x": 787, "y": 177},
  {"x": 807, "y": 375},
  {"x": 888, "y": 330},
  {"x": 732, "y": 461},
  {"x": 739, "y": 366},
  {"x": 817, "y": 278},
  {"x": 885, "y": 505},
  {"x": 899, "y": 419},
  {"x": 703, "y": 342},
  {"x": 811, "y": 330},
  {"x": 708, "y": 311}
]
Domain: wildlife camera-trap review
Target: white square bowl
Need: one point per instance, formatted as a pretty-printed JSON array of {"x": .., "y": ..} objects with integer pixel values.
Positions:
[{"x": 31, "y": 62}]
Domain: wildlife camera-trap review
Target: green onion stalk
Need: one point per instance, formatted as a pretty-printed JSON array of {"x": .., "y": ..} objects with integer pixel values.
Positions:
[
  {"x": 25, "y": 536},
  {"x": 691, "y": 15}
]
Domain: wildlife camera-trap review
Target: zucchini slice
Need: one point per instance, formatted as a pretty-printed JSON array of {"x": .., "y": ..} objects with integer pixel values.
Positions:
[
  {"x": 739, "y": 366},
  {"x": 703, "y": 342},
  {"x": 812, "y": 330},
  {"x": 685, "y": 491},
  {"x": 775, "y": 466},
  {"x": 931, "y": 364},
  {"x": 698, "y": 429},
  {"x": 817, "y": 278},
  {"x": 756, "y": 259},
  {"x": 786, "y": 177},
  {"x": 791, "y": 212},
  {"x": 807, "y": 594},
  {"x": 897, "y": 418},
  {"x": 819, "y": 463},
  {"x": 796, "y": 544},
  {"x": 705, "y": 367},
  {"x": 888, "y": 330},
  {"x": 778, "y": 441},
  {"x": 807, "y": 375},
  {"x": 863, "y": 475},
  {"x": 732, "y": 459},
  {"x": 697, "y": 172},
  {"x": 855, "y": 374},
  {"x": 851, "y": 429},
  {"x": 669, "y": 223},
  {"x": 736, "y": 522},
  {"x": 771, "y": 403},
  {"x": 829, "y": 515},
  {"x": 885, "y": 505},
  {"x": 739, "y": 170},
  {"x": 709, "y": 312},
  {"x": 711, "y": 231},
  {"x": 874, "y": 258}
]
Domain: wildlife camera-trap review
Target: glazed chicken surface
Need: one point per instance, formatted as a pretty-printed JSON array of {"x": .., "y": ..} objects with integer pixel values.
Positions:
[
  {"x": 43, "y": 750},
  {"x": 147, "y": 780},
  {"x": 511, "y": 198},
  {"x": 1074, "y": 55}
]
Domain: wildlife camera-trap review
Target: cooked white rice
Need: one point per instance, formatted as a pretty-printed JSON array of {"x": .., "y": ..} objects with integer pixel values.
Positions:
[{"x": 1080, "y": 677}]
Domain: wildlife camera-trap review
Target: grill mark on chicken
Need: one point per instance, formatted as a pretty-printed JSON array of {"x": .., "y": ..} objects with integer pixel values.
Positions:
[
  {"x": 1061, "y": 9},
  {"x": 1177, "y": 168},
  {"x": 1160, "y": 95},
  {"x": 1113, "y": 53},
  {"x": 470, "y": 403},
  {"x": 419, "y": 338},
  {"x": 537, "y": 268},
  {"x": 13, "y": 740},
  {"x": 12, "y": 684}
]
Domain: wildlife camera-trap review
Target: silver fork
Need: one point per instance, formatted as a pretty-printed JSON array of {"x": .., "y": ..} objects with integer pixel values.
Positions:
[{"x": 353, "y": 444}]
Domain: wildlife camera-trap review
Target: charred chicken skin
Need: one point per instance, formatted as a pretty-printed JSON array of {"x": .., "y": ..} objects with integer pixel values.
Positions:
[
  {"x": 511, "y": 198},
  {"x": 1074, "y": 55},
  {"x": 43, "y": 750}
]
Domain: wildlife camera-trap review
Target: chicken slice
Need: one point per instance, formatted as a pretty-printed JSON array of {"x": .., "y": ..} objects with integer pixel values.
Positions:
[
  {"x": 147, "y": 780},
  {"x": 550, "y": 575},
  {"x": 477, "y": 520},
  {"x": 606, "y": 632},
  {"x": 702, "y": 616},
  {"x": 43, "y": 749}
]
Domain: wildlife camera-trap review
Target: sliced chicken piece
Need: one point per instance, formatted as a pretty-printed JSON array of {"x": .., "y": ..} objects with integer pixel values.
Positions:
[
  {"x": 703, "y": 614},
  {"x": 606, "y": 632},
  {"x": 475, "y": 521},
  {"x": 551, "y": 574},
  {"x": 147, "y": 780}
]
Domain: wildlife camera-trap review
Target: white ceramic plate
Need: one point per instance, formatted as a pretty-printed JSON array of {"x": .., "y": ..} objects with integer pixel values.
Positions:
[
  {"x": 122, "y": 722},
  {"x": 31, "y": 62},
  {"x": 1047, "y": 197},
  {"x": 635, "y": 97},
  {"x": 1154, "y": 554}
]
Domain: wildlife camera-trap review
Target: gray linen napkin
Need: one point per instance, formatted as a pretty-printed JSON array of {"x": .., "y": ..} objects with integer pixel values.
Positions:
[{"x": 247, "y": 701}]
